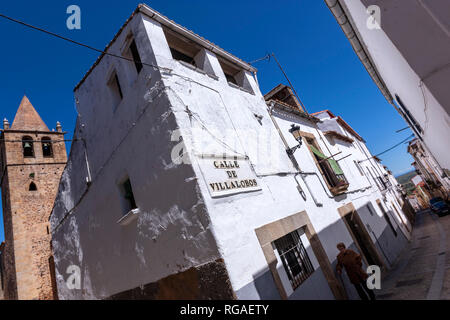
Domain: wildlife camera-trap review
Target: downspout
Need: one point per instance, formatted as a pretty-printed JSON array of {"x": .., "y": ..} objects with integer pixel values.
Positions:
[
  {"x": 303, "y": 174},
  {"x": 88, "y": 167},
  {"x": 294, "y": 162}
]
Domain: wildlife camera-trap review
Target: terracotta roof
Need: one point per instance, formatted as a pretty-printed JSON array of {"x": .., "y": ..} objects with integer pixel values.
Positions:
[
  {"x": 144, "y": 9},
  {"x": 287, "y": 97},
  {"x": 287, "y": 107},
  {"x": 342, "y": 123},
  {"x": 337, "y": 135},
  {"x": 327, "y": 111},
  {"x": 350, "y": 129},
  {"x": 278, "y": 88}
]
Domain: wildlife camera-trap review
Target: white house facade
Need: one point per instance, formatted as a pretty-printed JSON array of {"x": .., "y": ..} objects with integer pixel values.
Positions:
[
  {"x": 404, "y": 46},
  {"x": 179, "y": 186}
]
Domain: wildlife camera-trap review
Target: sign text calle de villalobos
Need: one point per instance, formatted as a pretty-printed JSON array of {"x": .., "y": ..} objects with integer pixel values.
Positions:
[{"x": 226, "y": 176}]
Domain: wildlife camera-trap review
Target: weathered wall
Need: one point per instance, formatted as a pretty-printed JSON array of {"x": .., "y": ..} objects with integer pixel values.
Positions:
[
  {"x": 410, "y": 52},
  {"x": 26, "y": 213},
  {"x": 172, "y": 233},
  {"x": 9, "y": 270},
  {"x": 181, "y": 226},
  {"x": 205, "y": 282},
  {"x": 234, "y": 113}
]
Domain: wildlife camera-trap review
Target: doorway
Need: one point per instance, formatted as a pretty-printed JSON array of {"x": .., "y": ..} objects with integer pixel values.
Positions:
[
  {"x": 356, "y": 231},
  {"x": 360, "y": 236}
]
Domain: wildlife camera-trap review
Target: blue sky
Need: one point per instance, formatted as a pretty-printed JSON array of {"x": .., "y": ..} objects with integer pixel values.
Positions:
[{"x": 302, "y": 33}]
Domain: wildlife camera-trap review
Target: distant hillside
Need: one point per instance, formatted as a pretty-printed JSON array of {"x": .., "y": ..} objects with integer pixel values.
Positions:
[
  {"x": 406, "y": 177},
  {"x": 405, "y": 180}
]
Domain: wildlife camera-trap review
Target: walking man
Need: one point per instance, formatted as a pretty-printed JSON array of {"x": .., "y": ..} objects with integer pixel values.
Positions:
[{"x": 352, "y": 263}]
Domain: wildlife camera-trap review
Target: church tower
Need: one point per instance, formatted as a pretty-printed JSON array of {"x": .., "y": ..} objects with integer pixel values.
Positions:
[{"x": 32, "y": 159}]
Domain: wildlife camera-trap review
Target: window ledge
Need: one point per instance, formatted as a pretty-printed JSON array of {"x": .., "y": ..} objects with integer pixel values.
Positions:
[
  {"x": 129, "y": 217},
  {"x": 247, "y": 90},
  {"x": 213, "y": 76},
  {"x": 190, "y": 66},
  {"x": 231, "y": 84}
]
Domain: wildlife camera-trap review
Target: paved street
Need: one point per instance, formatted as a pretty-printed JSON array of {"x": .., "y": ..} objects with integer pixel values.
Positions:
[{"x": 422, "y": 271}]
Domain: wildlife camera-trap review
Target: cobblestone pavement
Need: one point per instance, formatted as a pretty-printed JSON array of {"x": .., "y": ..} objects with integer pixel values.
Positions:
[{"x": 422, "y": 272}]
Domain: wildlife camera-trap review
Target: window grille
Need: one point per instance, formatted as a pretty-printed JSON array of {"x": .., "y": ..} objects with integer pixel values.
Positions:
[{"x": 295, "y": 259}]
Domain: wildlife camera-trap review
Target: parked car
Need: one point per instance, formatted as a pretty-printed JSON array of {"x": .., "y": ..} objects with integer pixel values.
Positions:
[{"x": 439, "y": 206}]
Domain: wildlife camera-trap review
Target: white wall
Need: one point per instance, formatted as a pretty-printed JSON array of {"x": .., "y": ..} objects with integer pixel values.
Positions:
[
  {"x": 135, "y": 141},
  {"x": 400, "y": 78},
  {"x": 180, "y": 224}
]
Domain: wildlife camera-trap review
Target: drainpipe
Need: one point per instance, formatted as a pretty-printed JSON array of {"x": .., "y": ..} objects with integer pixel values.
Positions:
[
  {"x": 319, "y": 204},
  {"x": 88, "y": 167},
  {"x": 294, "y": 161},
  {"x": 303, "y": 174}
]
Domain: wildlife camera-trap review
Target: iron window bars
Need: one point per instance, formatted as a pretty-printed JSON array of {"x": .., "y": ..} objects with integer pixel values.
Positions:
[{"x": 294, "y": 257}]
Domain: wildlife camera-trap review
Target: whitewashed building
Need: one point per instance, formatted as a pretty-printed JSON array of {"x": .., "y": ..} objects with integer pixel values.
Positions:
[
  {"x": 404, "y": 45},
  {"x": 179, "y": 186},
  {"x": 430, "y": 171}
]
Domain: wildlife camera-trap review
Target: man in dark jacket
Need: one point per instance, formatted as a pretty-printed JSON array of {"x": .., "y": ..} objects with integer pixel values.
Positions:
[{"x": 352, "y": 263}]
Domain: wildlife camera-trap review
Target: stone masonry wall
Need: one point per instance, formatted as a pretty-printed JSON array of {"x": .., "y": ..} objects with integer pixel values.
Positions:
[
  {"x": 26, "y": 216},
  {"x": 9, "y": 267}
]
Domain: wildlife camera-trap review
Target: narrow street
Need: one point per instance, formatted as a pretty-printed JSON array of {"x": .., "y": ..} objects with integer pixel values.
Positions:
[{"x": 422, "y": 271}]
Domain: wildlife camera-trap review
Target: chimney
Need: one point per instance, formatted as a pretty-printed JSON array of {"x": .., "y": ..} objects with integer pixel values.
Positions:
[
  {"x": 5, "y": 124},
  {"x": 58, "y": 127}
]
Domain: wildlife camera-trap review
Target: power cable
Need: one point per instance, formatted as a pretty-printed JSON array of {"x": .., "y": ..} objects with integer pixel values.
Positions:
[
  {"x": 266, "y": 57},
  {"x": 391, "y": 148},
  {"x": 79, "y": 43},
  {"x": 289, "y": 81},
  {"x": 400, "y": 130}
]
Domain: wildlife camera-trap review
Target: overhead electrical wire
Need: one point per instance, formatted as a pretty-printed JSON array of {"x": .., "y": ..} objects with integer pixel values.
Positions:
[
  {"x": 78, "y": 43},
  {"x": 266, "y": 57},
  {"x": 391, "y": 148},
  {"x": 395, "y": 146}
]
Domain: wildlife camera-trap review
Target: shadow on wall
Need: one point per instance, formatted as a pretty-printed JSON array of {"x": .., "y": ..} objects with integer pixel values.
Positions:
[
  {"x": 171, "y": 234},
  {"x": 316, "y": 287}
]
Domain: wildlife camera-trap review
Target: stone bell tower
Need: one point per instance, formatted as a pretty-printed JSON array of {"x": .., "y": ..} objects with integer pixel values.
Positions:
[{"x": 32, "y": 159}]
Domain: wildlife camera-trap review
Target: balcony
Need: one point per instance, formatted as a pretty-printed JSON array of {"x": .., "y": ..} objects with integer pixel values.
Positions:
[
  {"x": 341, "y": 186},
  {"x": 335, "y": 178}
]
